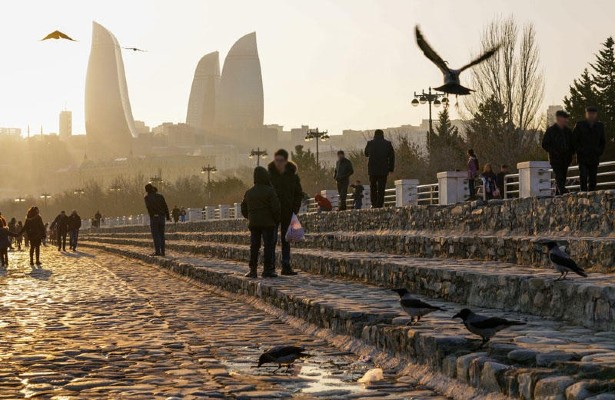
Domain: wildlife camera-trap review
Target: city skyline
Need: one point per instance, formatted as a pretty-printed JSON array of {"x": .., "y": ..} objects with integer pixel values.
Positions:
[{"x": 340, "y": 55}]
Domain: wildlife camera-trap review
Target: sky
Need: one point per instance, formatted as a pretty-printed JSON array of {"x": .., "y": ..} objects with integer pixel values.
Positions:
[{"x": 333, "y": 64}]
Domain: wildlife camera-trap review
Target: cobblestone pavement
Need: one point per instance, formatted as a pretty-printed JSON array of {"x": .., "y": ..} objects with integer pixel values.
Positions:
[{"x": 89, "y": 325}]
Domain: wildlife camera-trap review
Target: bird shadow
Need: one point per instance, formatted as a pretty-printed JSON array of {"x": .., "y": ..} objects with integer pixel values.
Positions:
[{"x": 40, "y": 273}]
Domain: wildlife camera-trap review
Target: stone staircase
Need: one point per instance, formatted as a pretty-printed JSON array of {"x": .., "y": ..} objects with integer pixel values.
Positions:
[{"x": 566, "y": 350}]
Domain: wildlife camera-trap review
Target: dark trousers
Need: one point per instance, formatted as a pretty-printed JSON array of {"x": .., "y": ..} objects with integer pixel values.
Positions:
[
  {"x": 267, "y": 235},
  {"x": 471, "y": 188},
  {"x": 74, "y": 237},
  {"x": 35, "y": 248},
  {"x": 342, "y": 190},
  {"x": 377, "y": 186},
  {"x": 281, "y": 229},
  {"x": 156, "y": 224},
  {"x": 588, "y": 174},
  {"x": 357, "y": 203},
  {"x": 62, "y": 239},
  {"x": 560, "y": 172},
  {"x": 4, "y": 256}
]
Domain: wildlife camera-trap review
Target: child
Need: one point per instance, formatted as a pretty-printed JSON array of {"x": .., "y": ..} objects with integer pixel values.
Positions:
[
  {"x": 261, "y": 207},
  {"x": 323, "y": 203},
  {"x": 4, "y": 245},
  {"x": 357, "y": 195}
]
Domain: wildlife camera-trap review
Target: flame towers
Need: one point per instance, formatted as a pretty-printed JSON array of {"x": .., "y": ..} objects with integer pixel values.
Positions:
[
  {"x": 202, "y": 103},
  {"x": 108, "y": 117}
]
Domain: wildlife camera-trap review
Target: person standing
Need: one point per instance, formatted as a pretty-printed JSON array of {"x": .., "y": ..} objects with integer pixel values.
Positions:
[
  {"x": 175, "y": 213},
  {"x": 74, "y": 224},
  {"x": 97, "y": 218},
  {"x": 381, "y": 162},
  {"x": 357, "y": 195},
  {"x": 158, "y": 213},
  {"x": 500, "y": 179},
  {"x": 287, "y": 184},
  {"x": 558, "y": 142},
  {"x": 342, "y": 174},
  {"x": 5, "y": 242},
  {"x": 34, "y": 228},
  {"x": 13, "y": 229},
  {"x": 490, "y": 182},
  {"x": 589, "y": 142},
  {"x": 261, "y": 207},
  {"x": 19, "y": 238},
  {"x": 473, "y": 169},
  {"x": 60, "y": 224}
]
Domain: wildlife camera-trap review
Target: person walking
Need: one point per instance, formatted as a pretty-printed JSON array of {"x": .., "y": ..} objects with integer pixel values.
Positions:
[
  {"x": 261, "y": 207},
  {"x": 60, "y": 224},
  {"x": 158, "y": 213},
  {"x": 35, "y": 230},
  {"x": 74, "y": 224},
  {"x": 357, "y": 195},
  {"x": 19, "y": 238},
  {"x": 558, "y": 142},
  {"x": 287, "y": 184},
  {"x": 12, "y": 225},
  {"x": 381, "y": 162},
  {"x": 5, "y": 242},
  {"x": 343, "y": 172},
  {"x": 589, "y": 145},
  {"x": 175, "y": 213},
  {"x": 473, "y": 169}
]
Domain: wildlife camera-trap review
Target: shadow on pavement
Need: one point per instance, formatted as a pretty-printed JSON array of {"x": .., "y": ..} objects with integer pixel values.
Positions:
[
  {"x": 78, "y": 254},
  {"x": 40, "y": 273}
]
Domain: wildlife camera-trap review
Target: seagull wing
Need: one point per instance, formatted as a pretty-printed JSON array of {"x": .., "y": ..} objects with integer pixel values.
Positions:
[
  {"x": 429, "y": 52},
  {"x": 416, "y": 303},
  {"x": 560, "y": 258},
  {"x": 486, "y": 55}
]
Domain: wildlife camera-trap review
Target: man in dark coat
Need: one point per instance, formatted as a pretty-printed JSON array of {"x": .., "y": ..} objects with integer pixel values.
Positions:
[
  {"x": 74, "y": 224},
  {"x": 60, "y": 225},
  {"x": 558, "y": 142},
  {"x": 342, "y": 174},
  {"x": 589, "y": 142},
  {"x": 158, "y": 213},
  {"x": 286, "y": 182},
  {"x": 381, "y": 163},
  {"x": 261, "y": 207}
]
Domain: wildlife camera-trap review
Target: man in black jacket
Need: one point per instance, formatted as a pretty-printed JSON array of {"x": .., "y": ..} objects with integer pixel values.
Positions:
[
  {"x": 381, "y": 163},
  {"x": 342, "y": 174},
  {"x": 60, "y": 224},
  {"x": 286, "y": 182},
  {"x": 158, "y": 213},
  {"x": 74, "y": 224},
  {"x": 589, "y": 144},
  {"x": 558, "y": 142}
]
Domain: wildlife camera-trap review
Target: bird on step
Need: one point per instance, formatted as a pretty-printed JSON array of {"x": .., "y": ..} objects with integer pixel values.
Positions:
[
  {"x": 485, "y": 327},
  {"x": 414, "y": 307},
  {"x": 562, "y": 262},
  {"x": 282, "y": 355},
  {"x": 451, "y": 76}
]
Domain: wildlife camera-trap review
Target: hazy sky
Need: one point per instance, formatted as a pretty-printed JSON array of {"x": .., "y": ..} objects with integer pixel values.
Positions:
[{"x": 335, "y": 64}]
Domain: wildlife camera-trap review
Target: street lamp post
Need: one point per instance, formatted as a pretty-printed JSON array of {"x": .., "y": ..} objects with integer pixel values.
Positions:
[
  {"x": 258, "y": 153},
  {"x": 45, "y": 196},
  {"x": 209, "y": 169},
  {"x": 318, "y": 135},
  {"x": 430, "y": 98},
  {"x": 20, "y": 199},
  {"x": 79, "y": 192}
]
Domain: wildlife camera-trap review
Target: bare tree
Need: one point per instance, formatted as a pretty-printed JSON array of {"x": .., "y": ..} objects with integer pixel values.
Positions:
[{"x": 513, "y": 76}]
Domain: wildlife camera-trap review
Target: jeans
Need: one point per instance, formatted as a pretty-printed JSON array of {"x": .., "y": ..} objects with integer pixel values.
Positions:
[
  {"x": 267, "y": 235},
  {"x": 282, "y": 228},
  {"x": 62, "y": 240},
  {"x": 156, "y": 224},
  {"x": 560, "y": 172},
  {"x": 342, "y": 190},
  {"x": 74, "y": 236},
  {"x": 357, "y": 203},
  {"x": 377, "y": 185},
  {"x": 588, "y": 173}
]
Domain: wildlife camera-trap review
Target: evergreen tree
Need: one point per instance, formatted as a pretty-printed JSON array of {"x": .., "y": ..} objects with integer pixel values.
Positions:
[
  {"x": 446, "y": 147},
  {"x": 314, "y": 177},
  {"x": 582, "y": 94}
]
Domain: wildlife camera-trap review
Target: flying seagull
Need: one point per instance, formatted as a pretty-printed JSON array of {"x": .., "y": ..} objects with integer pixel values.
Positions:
[
  {"x": 58, "y": 35},
  {"x": 562, "y": 261},
  {"x": 133, "y": 49},
  {"x": 485, "y": 327},
  {"x": 451, "y": 76},
  {"x": 282, "y": 355},
  {"x": 414, "y": 307}
]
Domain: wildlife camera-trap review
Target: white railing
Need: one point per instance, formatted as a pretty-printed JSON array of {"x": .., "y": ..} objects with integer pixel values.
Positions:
[
  {"x": 428, "y": 194},
  {"x": 511, "y": 186},
  {"x": 606, "y": 177}
]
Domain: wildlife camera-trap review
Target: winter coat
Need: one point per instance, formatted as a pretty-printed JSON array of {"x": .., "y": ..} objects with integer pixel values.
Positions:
[
  {"x": 288, "y": 187},
  {"x": 60, "y": 223},
  {"x": 74, "y": 222},
  {"x": 489, "y": 179},
  {"x": 589, "y": 141},
  {"x": 357, "y": 192},
  {"x": 323, "y": 203},
  {"x": 343, "y": 170},
  {"x": 559, "y": 143},
  {"x": 472, "y": 167},
  {"x": 175, "y": 213},
  {"x": 260, "y": 204},
  {"x": 156, "y": 205},
  {"x": 35, "y": 229},
  {"x": 5, "y": 243},
  {"x": 381, "y": 156}
]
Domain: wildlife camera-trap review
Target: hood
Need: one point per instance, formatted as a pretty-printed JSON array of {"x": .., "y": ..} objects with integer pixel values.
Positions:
[
  {"x": 261, "y": 176},
  {"x": 291, "y": 168}
]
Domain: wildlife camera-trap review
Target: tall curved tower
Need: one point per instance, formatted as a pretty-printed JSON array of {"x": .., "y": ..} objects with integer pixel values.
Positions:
[
  {"x": 109, "y": 123},
  {"x": 202, "y": 104},
  {"x": 241, "y": 104}
]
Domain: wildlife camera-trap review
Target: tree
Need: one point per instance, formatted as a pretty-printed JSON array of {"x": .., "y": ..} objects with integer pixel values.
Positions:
[
  {"x": 446, "y": 147},
  {"x": 512, "y": 77},
  {"x": 582, "y": 93},
  {"x": 313, "y": 175}
]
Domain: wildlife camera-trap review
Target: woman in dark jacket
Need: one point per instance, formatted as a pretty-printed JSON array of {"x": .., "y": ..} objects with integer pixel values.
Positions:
[{"x": 35, "y": 229}]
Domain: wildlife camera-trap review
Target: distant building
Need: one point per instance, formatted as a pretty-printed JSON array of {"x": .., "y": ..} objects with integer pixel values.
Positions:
[
  {"x": 10, "y": 132},
  {"x": 66, "y": 124},
  {"x": 141, "y": 128},
  {"x": 109, "y": 123},
  {"x": 551, "y": 110},
  {"x": 203, "y": 94}
]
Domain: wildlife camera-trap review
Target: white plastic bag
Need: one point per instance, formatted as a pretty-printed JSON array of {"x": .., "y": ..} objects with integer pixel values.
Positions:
[{"x": 295, "y": 232}]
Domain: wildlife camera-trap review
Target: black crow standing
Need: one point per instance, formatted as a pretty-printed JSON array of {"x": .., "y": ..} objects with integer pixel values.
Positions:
[
  {"x": 485, "y": 327},
  {"x": 562, "y": 262},
  {"x": 282, "y": 355},
  {"x": 414, "y": 307}
]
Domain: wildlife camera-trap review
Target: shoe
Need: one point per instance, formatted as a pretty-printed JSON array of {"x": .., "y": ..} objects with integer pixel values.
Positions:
[
  {"x": 38, "y": 263},
  {"x": 155, "y": 254},
  {"x": 252, "y": 273},
  {"x": 287, "y": 270},
  {"x": 269, "y": 275}
]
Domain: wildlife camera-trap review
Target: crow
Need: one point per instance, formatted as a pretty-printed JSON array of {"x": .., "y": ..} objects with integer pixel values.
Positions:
[
  {"x": 414, "y": 307},
  {"x": 133, "y": 49},
  {"x": 485, "y": 327},
  {"x": 562, "y": 261},
  {"x": 282, "y": 355}
]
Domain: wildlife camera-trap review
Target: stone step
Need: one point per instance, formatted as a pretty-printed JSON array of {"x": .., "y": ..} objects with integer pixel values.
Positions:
[
  {"x": 595, "y": 254},
  {"x": 541, "y": 359},
  {"x": 588, "y": 302}
]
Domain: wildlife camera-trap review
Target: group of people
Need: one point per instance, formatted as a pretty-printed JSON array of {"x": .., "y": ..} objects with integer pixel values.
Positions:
[
  {"x": 179, "y": 214},
  {"x": 493, "y": 184},
  {"x": 64, "y": 226},
  {"x": 33, "y": 231}
]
